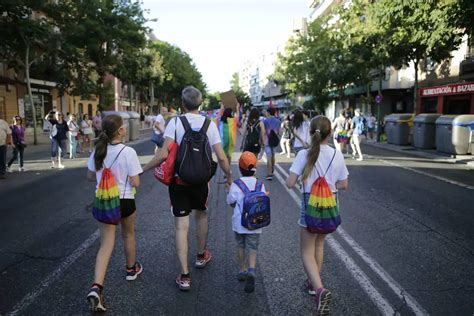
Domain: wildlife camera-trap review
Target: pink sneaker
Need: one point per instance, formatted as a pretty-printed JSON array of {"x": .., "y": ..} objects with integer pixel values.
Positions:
[
  {"x": 309, "y": 287},
  {"x": 184, "y": 282},
  {"x": 323, "y": 301},
  {"x": 203, "y": 260}
]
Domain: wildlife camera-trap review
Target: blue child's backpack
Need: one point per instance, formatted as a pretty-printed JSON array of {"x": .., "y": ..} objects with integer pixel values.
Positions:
[{"x": 256, "y": 206}]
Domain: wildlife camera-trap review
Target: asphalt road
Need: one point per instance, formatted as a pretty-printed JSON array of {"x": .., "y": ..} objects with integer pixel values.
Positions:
[{"x": 406, "y": 246}]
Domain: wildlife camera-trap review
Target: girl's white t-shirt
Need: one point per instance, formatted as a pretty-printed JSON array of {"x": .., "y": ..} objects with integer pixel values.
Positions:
[
  {"x": 236, "y": 196},
  {"x": 126, "y": 165},
  {"x": 303, "y": 133},
  {"x": 336, "y": 172}
]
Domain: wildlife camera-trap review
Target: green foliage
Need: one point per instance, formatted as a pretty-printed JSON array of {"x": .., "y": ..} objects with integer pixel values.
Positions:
[
  {"x": 211, "y": 102},
  {"x": 369, "y": 36},
  {"x": 178, "y": 70}
]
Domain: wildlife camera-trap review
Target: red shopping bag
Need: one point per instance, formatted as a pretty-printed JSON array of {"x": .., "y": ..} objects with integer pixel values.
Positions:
[{"x": 165, "y": 171}]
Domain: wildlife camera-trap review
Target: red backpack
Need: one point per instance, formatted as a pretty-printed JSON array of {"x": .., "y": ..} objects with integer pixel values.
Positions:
[{"x": 165, "y": 171}]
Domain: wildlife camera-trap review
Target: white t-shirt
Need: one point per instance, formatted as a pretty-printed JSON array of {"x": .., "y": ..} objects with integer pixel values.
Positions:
[
  {"x": 195, "y": 121},
  {"x": 336, "y": 172},
  {"x": 159, "y": 119},
  {"x": 4, "y": 132},
  {"x": 303, "y": 133},
  {"x": 87, "y": 127},
  {"x": 236, "y": 195},
  {"x": 73, "y": 128},
  {"x": 127, "y": 164}
]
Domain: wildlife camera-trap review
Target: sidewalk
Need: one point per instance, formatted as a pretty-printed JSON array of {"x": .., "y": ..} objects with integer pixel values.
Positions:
[{"x": 431, "y": 154}]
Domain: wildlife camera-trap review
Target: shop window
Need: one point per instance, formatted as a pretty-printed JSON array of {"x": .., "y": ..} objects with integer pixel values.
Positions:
[
  {"x": 429, "y": 105},
  {"x": 81, "y": 109},
  {"x": 457, "y": 106},
  {"x": 3, "y": 109}
]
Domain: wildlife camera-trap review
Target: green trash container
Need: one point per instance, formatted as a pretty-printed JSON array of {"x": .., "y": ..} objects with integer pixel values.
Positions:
[{"x": 424, "y": 130}]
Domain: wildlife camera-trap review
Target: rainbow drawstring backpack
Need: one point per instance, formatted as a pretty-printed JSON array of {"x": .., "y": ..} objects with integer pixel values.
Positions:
[
  {"x": 106, "y": 207},
  {"x": 321, "y": 211}
]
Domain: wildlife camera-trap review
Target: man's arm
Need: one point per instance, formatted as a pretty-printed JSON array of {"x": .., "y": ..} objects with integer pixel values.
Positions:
[
  {"x": 160, "y": 155},
  {"x": 223, "y": 163}
]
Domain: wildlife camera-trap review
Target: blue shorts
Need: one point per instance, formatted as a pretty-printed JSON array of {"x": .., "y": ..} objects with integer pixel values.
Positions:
[
  {"x": 304, "y": 202},
  {"x": 247, "y": 241},
  {"x": 269, "y": 150}
]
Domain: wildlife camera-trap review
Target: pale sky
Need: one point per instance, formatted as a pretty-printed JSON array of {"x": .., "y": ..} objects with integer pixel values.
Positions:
[{"x": 220, "y": 35}]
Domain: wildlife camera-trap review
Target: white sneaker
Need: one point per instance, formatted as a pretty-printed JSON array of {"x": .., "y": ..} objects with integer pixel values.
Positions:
[
  {"x": 288, "y": 156},
  {"x": 9, "y": 170},
  {"x": 53, "y": 165},
  {"x": 61, "y": 166},
  {"x": 360, "y": 159},
  {"x": 22, "y": 169}
]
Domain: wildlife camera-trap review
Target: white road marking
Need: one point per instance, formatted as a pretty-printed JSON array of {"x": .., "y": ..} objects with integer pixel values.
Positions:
[
  {"x": 364, "y": 281},
  {"x": 384, "y": 275},
  {"x": 462, "y": 185},
  {"x": 30, "y": 297}
]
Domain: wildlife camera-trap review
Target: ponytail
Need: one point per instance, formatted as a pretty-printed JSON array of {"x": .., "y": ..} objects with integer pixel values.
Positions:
[
  {"x": 320, "y": 129},
  {"x": 110, "y": 127},
  {"x": 313, "y": 153},
  {"x": 100, "y": 150}
]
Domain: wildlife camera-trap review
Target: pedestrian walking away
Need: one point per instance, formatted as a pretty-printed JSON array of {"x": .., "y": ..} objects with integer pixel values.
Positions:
[
  {"x": 254, "y": 135},
  {"x": 18, "y": 143},
  {"x": 227, "y": 124},
  {"x": 159, "y": 126},
  {"x": 358, "y": 128},
  {"x": 58, "y": 138},
  {"x": 97, "y": 123},
  {"x": 320, "y": 165},
  {"x": 300, "y": 131},
  {"x": 5, "y": 140},
  {"x": 87, "y": 132},
  {"x": 185, "y": 197},
  {"x": 272, "y": 140},
  {"x": 371, "y": 123},
  {"x": 110, "y": 156},
  {"x": 73, "y": 135},
  {"x": 286, "y": 136},
  {"x": 247, "y": 240}
]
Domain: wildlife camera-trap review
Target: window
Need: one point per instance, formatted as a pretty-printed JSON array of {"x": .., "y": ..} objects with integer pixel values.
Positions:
[{"x": 89, "y": 110}]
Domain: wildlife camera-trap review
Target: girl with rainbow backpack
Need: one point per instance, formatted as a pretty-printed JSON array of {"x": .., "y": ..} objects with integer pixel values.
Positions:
[
  {"x": 116, "y": 169},
  {"x": 323, "y": 171}
]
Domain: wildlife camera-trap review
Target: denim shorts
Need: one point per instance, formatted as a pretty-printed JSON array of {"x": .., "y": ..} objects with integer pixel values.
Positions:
[
  {"x": 304, "y": 202},
  {"x": 269, "y": 150},
  {"x": 247, "y": 241}
]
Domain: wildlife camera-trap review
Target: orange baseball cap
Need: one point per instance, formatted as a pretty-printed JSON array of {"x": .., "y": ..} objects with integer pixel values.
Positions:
[{"x": 248, "y": 161}]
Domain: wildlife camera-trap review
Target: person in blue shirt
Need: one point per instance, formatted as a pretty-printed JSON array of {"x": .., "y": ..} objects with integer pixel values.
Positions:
[
  {"x": 357, "y": 127},
  {"x": 272, "y": 140}
]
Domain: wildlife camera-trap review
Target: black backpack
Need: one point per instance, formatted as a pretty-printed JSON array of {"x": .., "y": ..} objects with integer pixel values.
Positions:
[
  {"x": 252, "y": 140},
  {"x": 273, "y": 139},
  {"x": 194, "y": 160}
]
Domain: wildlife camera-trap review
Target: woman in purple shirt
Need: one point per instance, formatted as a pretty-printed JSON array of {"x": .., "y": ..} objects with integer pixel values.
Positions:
[{"x": 18, "y": 143}]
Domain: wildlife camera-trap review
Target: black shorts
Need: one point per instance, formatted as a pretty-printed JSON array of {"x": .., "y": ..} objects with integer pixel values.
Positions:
[
  {"x": 185, "y": 198},
  {"x": 127, "y": 207}
]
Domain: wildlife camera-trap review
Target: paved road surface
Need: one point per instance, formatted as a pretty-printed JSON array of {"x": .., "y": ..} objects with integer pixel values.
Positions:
[{"x": 406, "y": 246}]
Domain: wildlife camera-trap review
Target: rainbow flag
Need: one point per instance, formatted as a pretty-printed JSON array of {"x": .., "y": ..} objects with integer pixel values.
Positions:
[
  {"x": 106, "y": 207},
  {"x": 228, "y": 132},
  {"x": 322, "y": 212}
]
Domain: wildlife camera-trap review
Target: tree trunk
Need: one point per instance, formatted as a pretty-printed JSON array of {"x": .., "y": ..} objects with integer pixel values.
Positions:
[
  {"x": 30, "y": 94},
  {"x": 369, "y": 103},
  {"x": 415, "y": 86}
]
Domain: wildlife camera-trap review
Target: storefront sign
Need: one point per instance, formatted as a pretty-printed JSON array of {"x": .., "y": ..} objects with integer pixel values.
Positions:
[{"x": 462, "y": 88}]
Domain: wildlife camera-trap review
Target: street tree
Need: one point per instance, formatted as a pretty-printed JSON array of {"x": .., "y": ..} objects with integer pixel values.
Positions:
[
  {"x": 417, "y": 30},
  {"x": 26, "y": 39}
]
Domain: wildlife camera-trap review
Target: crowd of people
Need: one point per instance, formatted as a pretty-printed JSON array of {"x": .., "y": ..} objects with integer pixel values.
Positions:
[{"x": 195, "y": 136}]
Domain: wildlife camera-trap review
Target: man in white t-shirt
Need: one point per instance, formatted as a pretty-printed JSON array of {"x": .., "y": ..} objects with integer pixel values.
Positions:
[
  {"x": 159, "y": 126},
  {"x": 5, "y": 139},
  {"x": 186, "y": 198}
]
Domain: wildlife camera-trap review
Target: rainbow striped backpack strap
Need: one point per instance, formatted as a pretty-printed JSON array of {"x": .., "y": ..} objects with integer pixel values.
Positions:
[
  {"x": 106, "y": 207},
  {"x": 321, "y": 212}
]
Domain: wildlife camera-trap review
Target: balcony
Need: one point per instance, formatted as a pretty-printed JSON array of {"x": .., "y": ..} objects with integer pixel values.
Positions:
[{"x": 466, "y": 68}]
